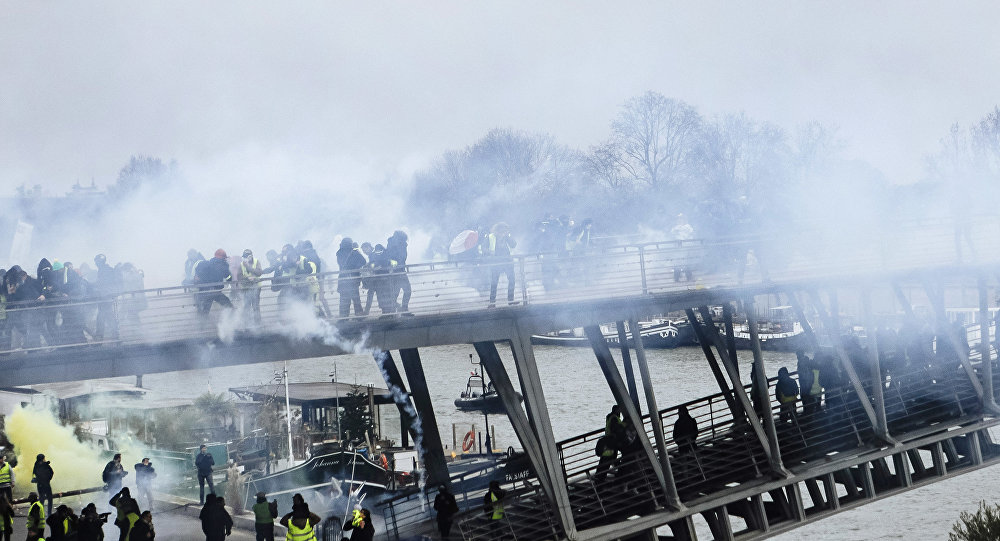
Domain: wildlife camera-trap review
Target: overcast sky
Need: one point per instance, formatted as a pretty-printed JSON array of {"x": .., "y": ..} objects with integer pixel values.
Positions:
[{"x": 330, "y": 93}]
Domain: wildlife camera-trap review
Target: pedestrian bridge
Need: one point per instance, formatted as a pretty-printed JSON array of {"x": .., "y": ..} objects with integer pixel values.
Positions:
[{"x": 884, "y": 426}]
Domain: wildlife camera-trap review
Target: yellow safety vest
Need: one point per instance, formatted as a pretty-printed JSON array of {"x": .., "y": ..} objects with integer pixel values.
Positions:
[
  {"x": 65, "y": 525},
  {"x": 816, "y": 388},
  {"x": 358, "y": 517},
  {"x": 787, "y": 398},
  {"x": 132, "y": 519},
  {"x": 497, "y": 507},
  {"x": 5, "y": 474},
  {"x": 40, "y": 525},
  {"x": 294, "y": 533},
  {"x": 246, "y": 272}
]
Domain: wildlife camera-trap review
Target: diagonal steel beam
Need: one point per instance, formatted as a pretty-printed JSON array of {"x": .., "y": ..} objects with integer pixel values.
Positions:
[
  {"x": 620, "y": 392},
  {"x": 673, "y": 499},
  {"x": 627, "y": 360},
  {"x": 845, "y": 362},
  {"x": 763, "y": 396},
  {"x": 713, "y": 363},
  {"x": 878, "y": 384},
  {"x": 937, "y": 301},
  {"x": 433, "y": 453},
  {"x": 493, "y": 365},
  {"x": 711, "y": 333},
  {"x": 394, "y": 382},
  {"x": 807, "y": 328},
  {"x": 538, "y": 411}
]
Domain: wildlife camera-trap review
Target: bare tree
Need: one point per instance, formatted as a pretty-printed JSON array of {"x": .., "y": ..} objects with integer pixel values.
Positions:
[
  {"x": 141, "y": 170},
  {"x": 655, "y": 136}
]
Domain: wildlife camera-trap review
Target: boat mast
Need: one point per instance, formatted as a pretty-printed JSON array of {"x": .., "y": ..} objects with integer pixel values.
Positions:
[{"x": 336, "y": 394}]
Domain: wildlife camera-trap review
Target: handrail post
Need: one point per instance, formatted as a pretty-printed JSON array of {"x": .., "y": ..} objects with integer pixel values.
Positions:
[
  {"x": 878, "y": 384},
  {"x": 524, "y": 283},
  {"x": 984, "y": 345},
  {"x": 642, "y": 269}
]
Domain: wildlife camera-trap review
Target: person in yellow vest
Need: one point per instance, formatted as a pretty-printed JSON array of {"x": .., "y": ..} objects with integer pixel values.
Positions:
[
  {"x": 812, "y": 390},
  {"x": 493, "y": 504},
  {"x": 361, "y": 526},
  {"x": 6, "y": 519},
  {"x": 499, "y": 245},
  {"x": 248, "y": 281},
  {"x": 6, "y": 478},
  {"x": 143, "y": 528},
  {"x": 786, "y": 392},
  {"x": 36, "y": 518},
  {"x": 62, "y": 524},
  {"x": 300, "y": 524}
]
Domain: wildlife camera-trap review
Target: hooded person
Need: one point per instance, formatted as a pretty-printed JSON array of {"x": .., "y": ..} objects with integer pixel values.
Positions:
[
  {"x": 210, "y": 276},
  {"x": 350, "y": 261},
  {"x": 216, "y": 523},
  {"x": 395, "y": 249},
  {"x": 301, "y": 522},
  {"x": 42, "y": 474}
]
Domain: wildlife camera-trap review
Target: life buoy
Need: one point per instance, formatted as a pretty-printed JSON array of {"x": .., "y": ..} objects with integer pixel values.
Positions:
[{"x": 469, "y": 441}]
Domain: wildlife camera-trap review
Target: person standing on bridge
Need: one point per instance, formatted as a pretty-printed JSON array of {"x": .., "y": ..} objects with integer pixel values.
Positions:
[
  {"x": 41, "y": 475},
  {"x": 210, "y": 276},
  {"x": 395, "y": 247},
  {"x": 107, "y": 285},
  {"x": 682, "y": 232},
  {"x": 786, "y": 392},
  {"x": 350, "y": 261},
  {"x": 499, "y": 245},
  {"x": 248, "y": 279},
  {"x": 204, "y": 462}
]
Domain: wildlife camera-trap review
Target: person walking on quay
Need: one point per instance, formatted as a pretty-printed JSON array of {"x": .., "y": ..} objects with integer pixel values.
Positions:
[
  {"x": 36, "y": 518},
  {"x": 350, "y": 261},
  {"x": 63, "y": 524},
  {"x": 6, "y": 478},
  {"x": 499, "y": 247},
  {"x": 113, "y": 474},
  {"x": 6, "y": 519},
  {"x": 215, "y": 520},
  {"x": 41, "y": 475},
  {"x": 91, "y": 524},
  {"x": 204, "y": 462},
  {"x": 446, "y": 507},
  {"x": 144, "y": 475},
  {"x": 361, "y": 527},
  {"x": 264, "y": 514},
  {"x": 126, "y": 512}
]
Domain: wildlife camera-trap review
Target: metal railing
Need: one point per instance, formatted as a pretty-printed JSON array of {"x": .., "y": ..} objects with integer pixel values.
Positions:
[{"x": 165, "y": 314}]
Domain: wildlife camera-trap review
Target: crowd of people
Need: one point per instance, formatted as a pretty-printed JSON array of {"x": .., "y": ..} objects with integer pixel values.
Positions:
[{"x": 64, "y": 304}]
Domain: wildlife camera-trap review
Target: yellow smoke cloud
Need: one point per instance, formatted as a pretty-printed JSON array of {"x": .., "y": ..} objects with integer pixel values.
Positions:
[{"x": 32, "y": 431}]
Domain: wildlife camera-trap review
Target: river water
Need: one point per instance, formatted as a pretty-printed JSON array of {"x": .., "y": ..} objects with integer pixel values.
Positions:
[{"x": 578, "y": 399}]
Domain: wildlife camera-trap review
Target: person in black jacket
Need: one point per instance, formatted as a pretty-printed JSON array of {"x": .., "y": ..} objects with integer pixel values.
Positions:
[
  {"x": 380, "y": 280},
  {"x": 362, "y": 529},
  {"x": 91, "y": 524},
  {"x": 113, "y": 474},
  {"x": 144, "y": 475},
  {"x": 62, "y": 524},
  {"x": 215, "y": 520},
  {"x": 42, "y": 474},
  {"x": 395, "y": 249},
  {"x": 108, "y": 284},
  {"x": 26, "y": 292},
  {"x": 446, "y": 507},
  {"x": 143, "y": 529},
  {"x": 350, "y": 261},
  {"x": 204, "y": 462},
  {"x": 213, "y": 272}
]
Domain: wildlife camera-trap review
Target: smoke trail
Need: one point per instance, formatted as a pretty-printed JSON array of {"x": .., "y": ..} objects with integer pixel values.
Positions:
[{"x": 399, "y": 397}]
